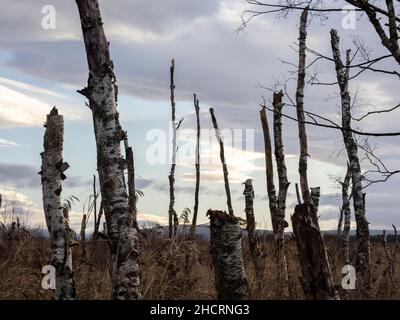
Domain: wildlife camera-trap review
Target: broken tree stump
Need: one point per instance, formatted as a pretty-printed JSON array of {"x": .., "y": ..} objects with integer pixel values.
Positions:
[{"x": 226, "y": 251}]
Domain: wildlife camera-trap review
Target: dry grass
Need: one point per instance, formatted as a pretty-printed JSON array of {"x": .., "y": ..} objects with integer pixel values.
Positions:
[{"x": 23, "y": 254}]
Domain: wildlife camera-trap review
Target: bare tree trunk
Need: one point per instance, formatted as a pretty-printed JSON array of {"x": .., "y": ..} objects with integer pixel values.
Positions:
[
  {"x": 282, "y": 194},
  {"x": 273, "y": 201},
  {"x": 224, "y": 166},
  {"x": 197, "y": 188},
  {"x": 316, "y": 279},
  {"x": 131, "y": 179},
  {"x": 251, "y": 226},
  {"x": 172, "y": 216},
  {"x": 347, "y": 216},
  {"x": 83, "y": 238},
  {"x": 102, "y": 94},
  {"x": 363, "y": 264},
  {"x": 278, "y": 221},
  {"x": 226, "y": 250},
  {"x": 300, "y": 107},
  {"x": 315, "y": 195},
  {"x": 52, "y": 174}
]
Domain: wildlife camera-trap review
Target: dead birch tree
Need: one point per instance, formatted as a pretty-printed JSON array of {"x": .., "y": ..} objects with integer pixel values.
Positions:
[
  {"x": 346, "y": 211},
  {"x": 226, "y": 240},
  {"x": 172, "y": 215},
  {"x": 101, "y": 92},
  {"x": 52, "y": 175},
  {"x": 316, "y": 278},
  {"x": 226, "y": 251},
  {"x": 251, "y": 226},
  {"x": 197, "y": 164},
  {"x": 278, "y": 220},
  {"x": 283, "y": 188},
  {"x": 363, "y": 255},
  {"x": 222, "y": 157}
]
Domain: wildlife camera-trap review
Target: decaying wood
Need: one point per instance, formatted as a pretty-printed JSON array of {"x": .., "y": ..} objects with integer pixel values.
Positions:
[
  {"x": 226, "y": 250},
  {"x": 101, "y": 92},
  {"x": 316, "y": 278},
  {"x": 83, "y": 238},
  {"x": 172, "y": 215},
  {"x": 273, "y": 201},
  {"x": 316, "y": 273},
  {"x": 52, "y": 175},
  {"x": 197, "y": 188},
  {"x": 251, "y": 226},
  {"x": 363, "y": 264},
  {"x": 277, "y": 213},
  {"x": 131, "y": 179},
  {"x": 222, "y": 157},
  {"x": 301, "y": 74},
  {"x": 282, "y": 193},
  {"x": 315, "y": 195}
]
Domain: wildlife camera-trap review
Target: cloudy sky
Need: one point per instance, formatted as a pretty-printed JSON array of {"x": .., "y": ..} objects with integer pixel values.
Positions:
[{"x": 40, "y": 68}]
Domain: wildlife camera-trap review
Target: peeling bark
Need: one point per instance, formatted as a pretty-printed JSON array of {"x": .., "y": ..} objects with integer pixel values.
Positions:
[
  {"x": 363, "y": 264},
  {"x": 316, "y": 277},
  {"x": 101, "y": 92},
  {"x": 251, "y": 226},
  {"x": 224, "y": 166},
  {"x": 52, "y": 174},
  {"x": 197, "y": 188},
  {"x": 226, "y": 250}
]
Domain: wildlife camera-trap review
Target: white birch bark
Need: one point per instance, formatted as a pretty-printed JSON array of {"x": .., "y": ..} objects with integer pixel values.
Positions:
[
  {"x": 223, "y": 162},
  {"x": 102, "y": 94},
  {"x": 52, "y": 174},
  {"x": 226, "y": 250},
  {"x": 347, "y": 217},
  {"x": 301, "y": 74},
  {"x": 197, "y": 165},
  {"x": 251, "y": 226},
  {"x": 363, "y": 255}
]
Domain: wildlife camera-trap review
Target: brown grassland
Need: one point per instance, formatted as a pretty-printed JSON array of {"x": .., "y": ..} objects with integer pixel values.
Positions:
[{"x": 179, "y": 269}]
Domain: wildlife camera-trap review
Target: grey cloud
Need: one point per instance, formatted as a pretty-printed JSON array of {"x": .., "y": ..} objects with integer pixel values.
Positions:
[{"x": 25, "y": 176}]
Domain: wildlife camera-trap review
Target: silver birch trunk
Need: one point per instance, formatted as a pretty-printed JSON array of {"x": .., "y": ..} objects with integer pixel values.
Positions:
[
  {"x": 251, "y": 226},
  {"x": 282, "y": 193},
  {"x": 315, "y": 195},
  {"x": 226, "y": 251},
  {"x": 347, "y": 217},
  {"x": 317, "y": 281},
  {"x": 52, "y": 174},
  {"x": 197, "y": 188},
  {"x": 101, "y": 92},
  {"x": 278, "y": 221},
  {"x": 172, "y": 216},
  {"x": 223, "y": 162},
  {"x": 363, "y": 255},
  {"x": 301, "y": 74}
]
